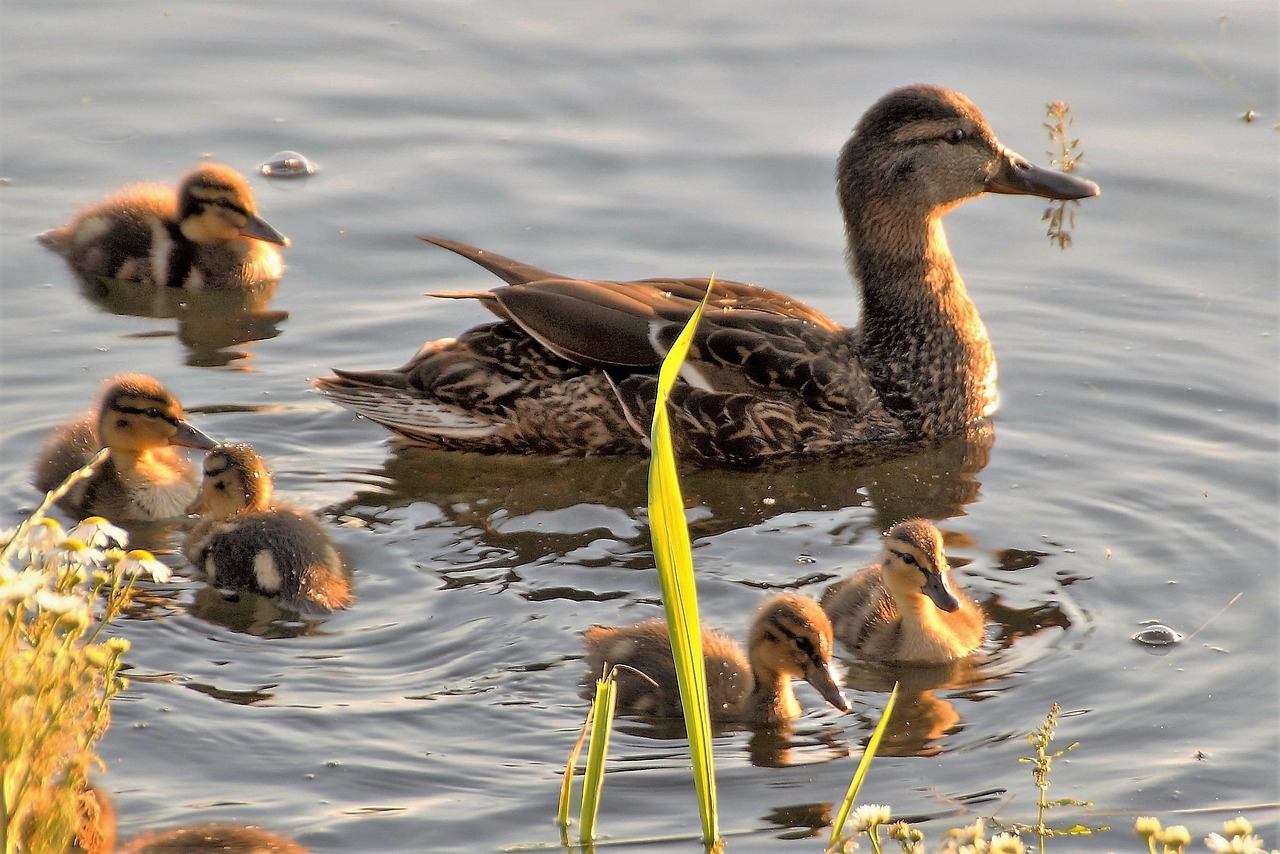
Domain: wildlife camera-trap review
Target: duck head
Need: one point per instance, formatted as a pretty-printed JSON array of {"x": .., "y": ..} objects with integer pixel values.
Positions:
[
  {"x": 921, "y": 150},
  {"x": 236, "y": 480},
  {"x": 137, "y": 414},
  {"x": 792, "y": 636},
  {"x": 914, "y": 564},
  {"x": 216, "y": 206}
]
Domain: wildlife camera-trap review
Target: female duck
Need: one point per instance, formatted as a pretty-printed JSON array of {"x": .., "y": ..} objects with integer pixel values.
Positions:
[
  {"x": 790, "y": 638},
  {"x": 145, "y": 478},
  {"x": 570, "y": 366},
  {"x": 207, "y": 237},
  {"x": 245, "y": 542},
  {"x": 905, "y": 609}
]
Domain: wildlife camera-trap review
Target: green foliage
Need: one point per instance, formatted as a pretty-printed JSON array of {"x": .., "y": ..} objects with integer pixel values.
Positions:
[
  {"x": 674, "y": 557},
  {"x": 57, "y": 591},
  {"x": 860, "y": 774}
]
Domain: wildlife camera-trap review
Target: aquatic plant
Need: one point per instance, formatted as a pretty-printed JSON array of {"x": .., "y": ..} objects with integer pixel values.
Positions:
[
  {"x": 1065, "y": 155},
  {"x": 58, "y": 589}
]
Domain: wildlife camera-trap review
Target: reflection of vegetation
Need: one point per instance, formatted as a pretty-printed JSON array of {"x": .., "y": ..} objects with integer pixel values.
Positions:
[{"x": 1065, "y": 154}]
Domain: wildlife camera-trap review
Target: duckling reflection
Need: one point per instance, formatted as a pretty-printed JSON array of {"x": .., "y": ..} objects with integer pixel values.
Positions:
[
  {"x": 906, "y": 608},
  {"x": 209, "y": 323},
  {"x": 244, "y": 541},
  {"x": 790, "y": 638},
  {"x": 145, "y": 478},
  {"x": 206, "y": 236}
]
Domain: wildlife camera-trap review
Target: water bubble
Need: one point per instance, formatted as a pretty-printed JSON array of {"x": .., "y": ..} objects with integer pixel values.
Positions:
[
  {"x": 287, "y": 164},
  {"x": 1157, "y": 635}
]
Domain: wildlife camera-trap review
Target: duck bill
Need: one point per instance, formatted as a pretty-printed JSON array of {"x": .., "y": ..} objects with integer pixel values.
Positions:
[
  {"x": 259, "y": 229},
  {"x": 938, "y": 589},
  {"x": 189, "y": 437},
  {"x": 822, "y": 679},
  {"x": 1015, "y": 175}
]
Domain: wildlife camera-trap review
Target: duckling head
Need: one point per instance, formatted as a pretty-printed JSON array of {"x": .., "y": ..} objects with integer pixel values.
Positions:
[
  {"x": 914, "y": 566},
  {"x": 216, "y": 206},
  {"x": 921, "y": 150},
  {"x": 236, "y": 480},
  {"x": 791, "y": 637},
  {"x": 137, "y": 414}
]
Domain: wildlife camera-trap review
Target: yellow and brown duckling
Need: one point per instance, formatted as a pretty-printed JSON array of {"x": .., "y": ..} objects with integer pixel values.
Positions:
[
  {"x": 906, "y": 608},
  {"x": 570, "y": 367},
  {"x": 207, "y": 236},
  {"x": 244, "y": 541},
  {"x": 145, "y": 477},
  {"x": 790, "y": 639}
]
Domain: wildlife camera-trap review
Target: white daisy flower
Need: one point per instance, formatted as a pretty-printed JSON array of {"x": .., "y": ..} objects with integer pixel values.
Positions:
[
  {"x": 99, "y": 533},
  {"x": 143, "y": 562}
]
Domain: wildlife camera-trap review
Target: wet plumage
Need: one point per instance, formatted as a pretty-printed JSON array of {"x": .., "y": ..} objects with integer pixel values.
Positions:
[
  {"x": 145, "y": 477},
  {"x": 245, "y": 541},
  {"x": 790, "y": 639},
  {"x": 205, "y": 236},
  {"x": 906, "y": 608},
  {"x": 569, "y": 368}
]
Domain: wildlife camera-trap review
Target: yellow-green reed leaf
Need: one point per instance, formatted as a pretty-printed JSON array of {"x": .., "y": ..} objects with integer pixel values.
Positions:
[
  {"x": 570, "y": 767},
  {"x": 597, "y": 749},
  {"x": 864, "y": 765},
  {"x": 674, "y": 559}
]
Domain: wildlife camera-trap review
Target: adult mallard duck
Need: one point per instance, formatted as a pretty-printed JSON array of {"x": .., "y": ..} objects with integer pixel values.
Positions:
[
  {"x": 244, "y": 541},
  {"x": 206, "y": 237},
  {"x": 906, "y": 608},
  {"x": 144, "y": 478},
  {"x": 570, "y": 367},
  {"x": 790, "y": 639}
]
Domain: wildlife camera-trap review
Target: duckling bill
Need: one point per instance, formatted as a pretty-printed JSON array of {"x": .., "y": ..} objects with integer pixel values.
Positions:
[
  {"x": 569, "y": 367},
  {"x": 206, "y": 236},
  {"x": 245, "y": 541},
  {"x": 145, "y": 477},
  {"x": 790, "y": 638},
  {"x": 906, "y": 609}
]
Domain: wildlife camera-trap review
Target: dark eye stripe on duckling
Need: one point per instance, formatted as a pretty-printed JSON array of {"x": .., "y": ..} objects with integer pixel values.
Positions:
[
  {"x": 779, "y": 632},
  {"x": 147, "y": 412}
]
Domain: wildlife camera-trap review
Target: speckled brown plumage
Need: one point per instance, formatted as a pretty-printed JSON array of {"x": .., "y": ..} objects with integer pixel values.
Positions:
[
  {"x": 906, "y": 608},
  {"x": 569, "y": 368},
  {"x": 206, "y": 236},
  {"x": 146, "y": 477},
  {"x": 245, "y": 541},
  {"x": 790, "y": 638}
]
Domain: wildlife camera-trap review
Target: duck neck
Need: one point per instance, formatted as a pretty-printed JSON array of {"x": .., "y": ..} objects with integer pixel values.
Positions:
[
  {"x": 920, "y": 337},
  {"x": 771, "y": 699}
]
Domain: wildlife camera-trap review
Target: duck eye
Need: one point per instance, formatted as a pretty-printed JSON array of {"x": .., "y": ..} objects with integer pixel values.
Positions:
[
  {"x": 153, "y": 413},
  {"x": 954, "y": 135}
]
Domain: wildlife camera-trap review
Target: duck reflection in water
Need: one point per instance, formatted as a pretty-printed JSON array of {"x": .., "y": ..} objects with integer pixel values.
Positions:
[{"x": 210, "y": 324}]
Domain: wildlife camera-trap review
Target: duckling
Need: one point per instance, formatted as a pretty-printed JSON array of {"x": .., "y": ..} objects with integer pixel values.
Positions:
[
  {"x": 145, "y": 478},
  {"x": 207, "y": 237},
  {"x": 906, "y": 609},
  {"x": 790, "y": 638},
  {"x": 569, "y": 368},
  {"x": 243, "y": 541}
]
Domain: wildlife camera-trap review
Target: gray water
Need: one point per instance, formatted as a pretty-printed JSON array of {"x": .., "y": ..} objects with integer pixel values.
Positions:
[{"x": 1131, "y": 475}]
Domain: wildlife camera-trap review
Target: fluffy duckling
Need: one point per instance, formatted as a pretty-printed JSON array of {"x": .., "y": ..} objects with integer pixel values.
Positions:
[
  {"x": 206, "y": 237},
  {"x": 905, "y": 609},
  {"x": 243, "y": 541},
  {"x": 790, "y": 638},
  {"x": 569, "y": 368},
  {"x": 145, "y": 478}
]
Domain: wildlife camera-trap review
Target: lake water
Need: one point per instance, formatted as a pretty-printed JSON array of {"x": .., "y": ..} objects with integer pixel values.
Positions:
[{"x": 1131, "y": 475}]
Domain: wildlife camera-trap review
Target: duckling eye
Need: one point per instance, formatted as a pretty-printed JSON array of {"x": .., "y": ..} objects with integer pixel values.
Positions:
[
  {"x": 954, "y": 135},
  {"x": 153, "y": 413},
  {"x": 909, "y": 559}
]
